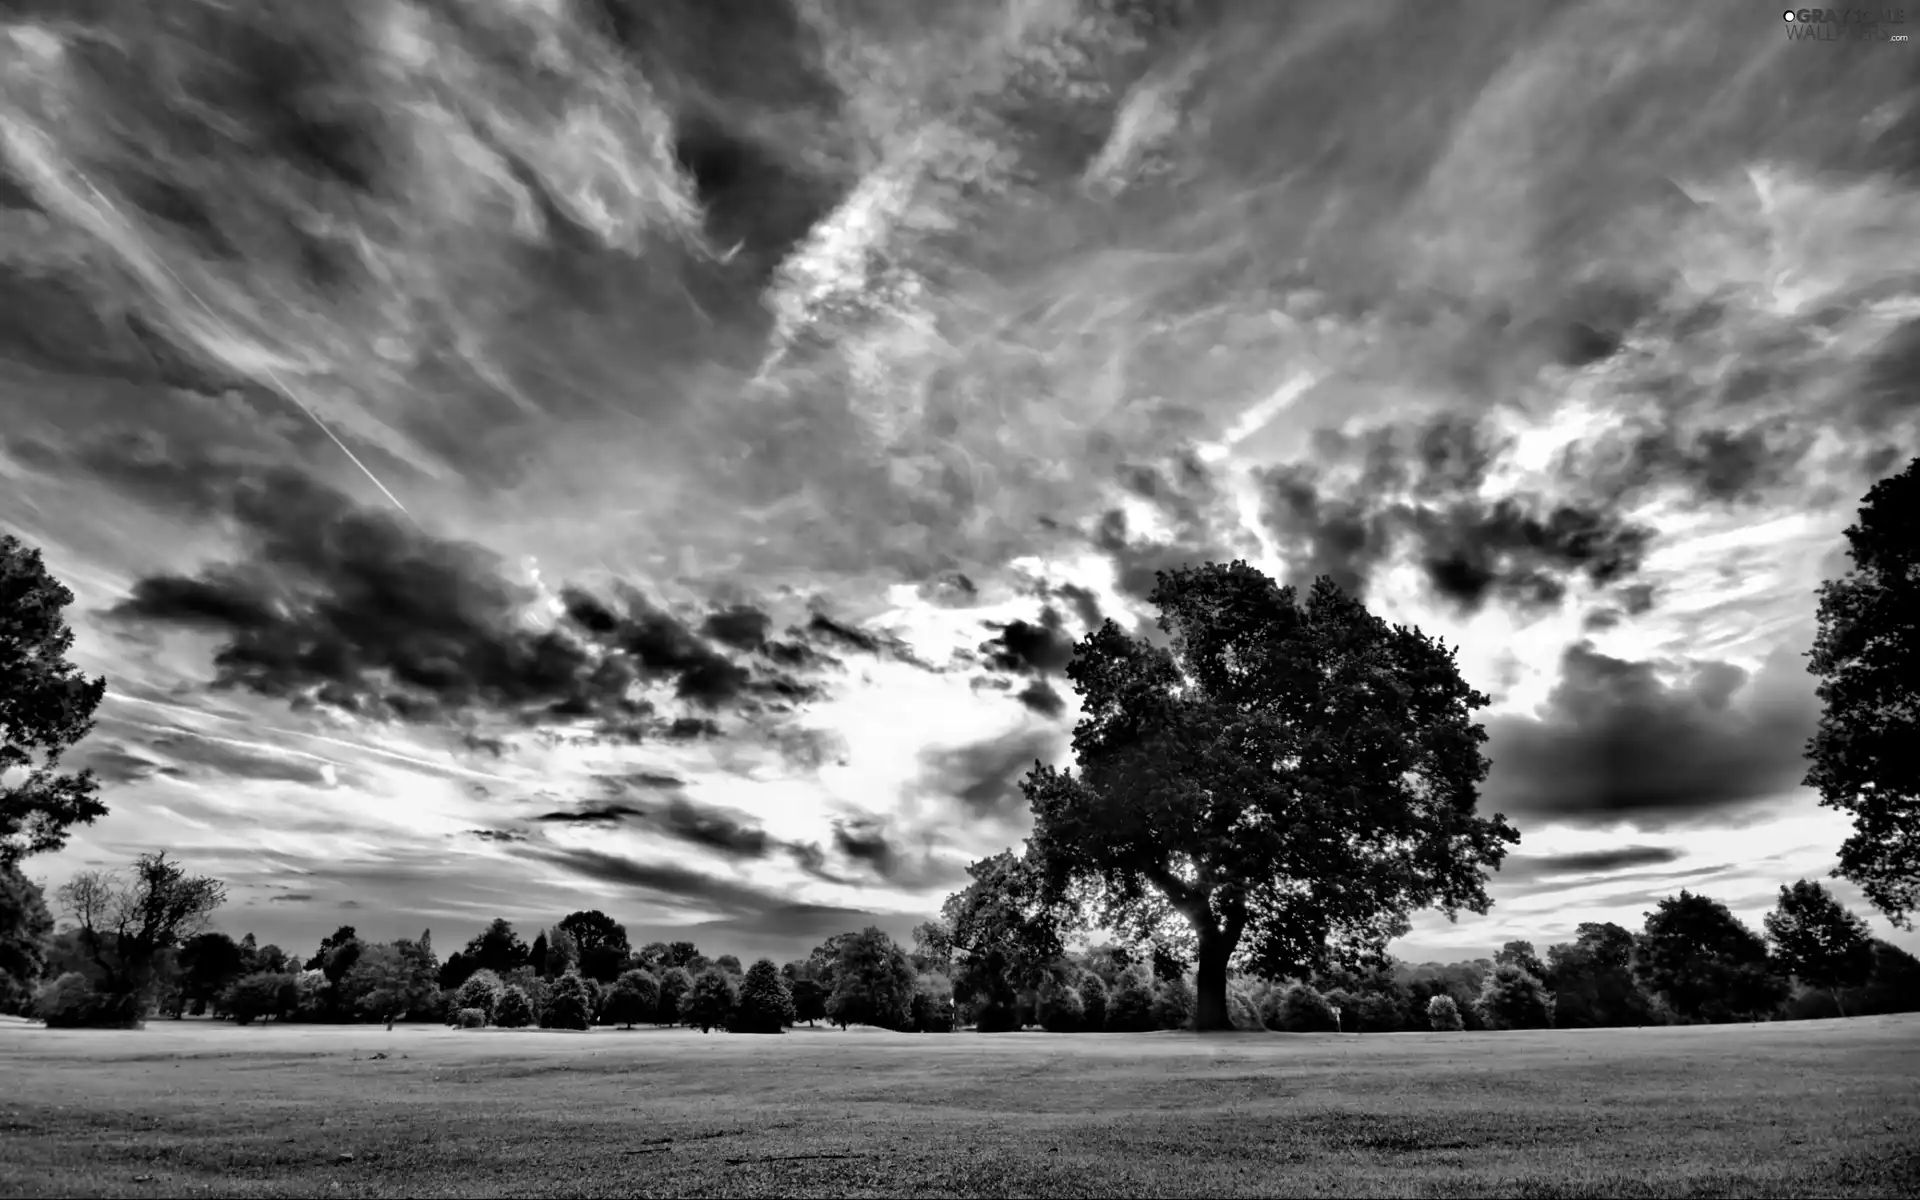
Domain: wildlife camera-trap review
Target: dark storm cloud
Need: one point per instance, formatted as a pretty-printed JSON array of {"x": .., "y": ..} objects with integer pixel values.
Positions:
[
  {"x": 1521, "y": 868},
  {"x": 290, "y": 898},
  {"x": 592, "y": 814},
  {"x": 984, "y": 776},
  {"x": 1418, "y": 485},
  {"x": 115, "y": 765},
  {"x": 664, "y": 880},
  {"x": 1085, "y": 605},
  {"x": 497, "y": 835},
  {"x": 865, "y": 841},
  {"x": 741, "y": 627},
  {"x": 1023, "y": 646},
  {"x": 811, "y": 857},
  {"x": 728, "y": 832},
  {"x": 1190, "y": 498},
  {"x": 1615, "y": 742},
  {"x": 1040, "y": 697}
]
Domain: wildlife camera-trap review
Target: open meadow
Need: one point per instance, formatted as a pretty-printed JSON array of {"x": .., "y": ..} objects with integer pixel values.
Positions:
[{"x": 1827, "y": 1108}]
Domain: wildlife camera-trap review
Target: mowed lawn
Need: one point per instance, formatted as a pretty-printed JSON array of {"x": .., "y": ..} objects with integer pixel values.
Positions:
[{"x": 1828, "y": 1108}]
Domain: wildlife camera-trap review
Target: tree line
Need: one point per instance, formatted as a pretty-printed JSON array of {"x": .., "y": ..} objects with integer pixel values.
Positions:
[{"x": 1266, "y": 788}]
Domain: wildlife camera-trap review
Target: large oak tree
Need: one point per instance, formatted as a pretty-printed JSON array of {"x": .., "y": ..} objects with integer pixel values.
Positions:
[
  {"x": 1866, "y": 754},
  {"x": 1282, "y": 784}
]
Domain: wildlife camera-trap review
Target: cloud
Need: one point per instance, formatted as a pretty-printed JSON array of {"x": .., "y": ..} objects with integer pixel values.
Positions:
[
  {"x": 984, "y": 776},
  {"x": 497, "y": 835},
  {"x": 290, "y": 898},
  {"x": 664, "y": 881},
  {"x": 1520, "y": 868},
  {"x": 591, "y": 814},
  {"x": 1617, "y": 741},
  {"x": 1040, "y": 697},
  {"x": 1022, "y": 646}
]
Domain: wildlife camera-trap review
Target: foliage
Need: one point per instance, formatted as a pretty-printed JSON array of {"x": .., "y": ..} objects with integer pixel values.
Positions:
[
  {"x": 569, "y": 1004},
  {"x": 873, "y": 981},
  {"x": 809, "y": 1000},
  {"x": 26, "y": 931},
  {"x": 1173, "y": 1004},
  {"x": 1062, "y": 1008},
  {"x": 209, "y": 963},
  {"x": 1299, "y": 1008},
  {"x": 1865, "y": 759},
  {"x": 1222, "y": 780},
  {"x": 1520, "y": 954},
  {"x": 481, "y": 990},
  {"x": 126, "y": 923},
  {"x": 1514, "y": 998},
  {"x": 601, "y": 944},
  {"x": 514, "y": 1009},
  {"x": 765, "y": 1003},
  {"x": 1130, "y": 1005},
  {"x": 1592, "y": 979},
  {"x": 391, "y": 980},
  {"x": 496, "y": 948},
  {"x": 710, "y": 1004},
  {"x": 1818, "y": 941},
  {"x": 634, "y": 997},
  {"x": 72, "y": 1002},
  {"x": 1703, "y": 963},
  {"x": 999, "y": 933},
  {"x": 469, "y": 1018},
  {"x": 1443, "y": 1015},
  {"x": 675, "y": 985},
  {"x": 932, "y": 1009},
  {"x": 46, "y": 706},
  {"x": 261, "y": 994},
  {"x": 730, "y": 964},
  {"x": 537, "y": 954},
  {"x": 1093, "y": 1001},
  {"x": 1242, "y": 1010}
]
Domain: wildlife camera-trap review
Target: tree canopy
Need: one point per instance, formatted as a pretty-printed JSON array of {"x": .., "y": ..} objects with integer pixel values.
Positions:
[
  {"x": 46, "y": 705},
  {"x": 126, "y": 922},
  {"x": 1698, "y": 957},
  {"x": 1818, "y": 940},
  {"x": 1282, "y": 784},
  {"x": 1866, "y": 754}
]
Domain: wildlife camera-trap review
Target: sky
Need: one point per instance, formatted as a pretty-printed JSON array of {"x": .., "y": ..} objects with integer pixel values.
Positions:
[{"x": 521, "y": 456}]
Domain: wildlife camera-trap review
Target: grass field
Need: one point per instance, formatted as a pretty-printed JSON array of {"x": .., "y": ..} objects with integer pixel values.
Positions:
[{"x": 1826, "y": 1108}]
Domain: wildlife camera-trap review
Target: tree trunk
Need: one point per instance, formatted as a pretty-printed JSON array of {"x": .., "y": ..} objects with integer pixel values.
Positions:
[
  {"x": 1210, "y": 999},
  {"x": 1835, "y": 993},
  {"x": 389, "y": 1022}
]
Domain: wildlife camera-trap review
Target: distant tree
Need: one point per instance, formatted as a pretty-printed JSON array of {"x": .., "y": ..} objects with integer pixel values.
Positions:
[
  {"x": 1173, "y": 1004},
  {"x": 809, "y": 1001},
  {"x": 46, "y": 705},
  {"x": 497, "y": 948},
  {"x": 932, "y": 947},
  {"x": 1093, "y": 1001},
  {"x": 932, "y": 1009},
  {"x": 1216, "y": 799},
  {"x": 634, "y": 997},
  {"x": 1298, "y": 1008},
  {"x": 563, "y": 953},
  {"x": 1514, "y": 998},
  {"x": 1062, "y": 1008},
  {"x": 1130, "y": 1004},
  {"x": 340, "y": 938},
  {"x": 873, "y": 982},
  {"x": 127, "y": 922},
  {"x": 1698, "y": 958},
  {"x": 26, "y": 936},
  {"x": 481, "y": 991},
  {"x": 391, "y": 980},
  {"x": 515, "y": 1009},
  {"x": 1592, "y": 980},
  {"x": 676, "y": 983},
  {"x": 1443, "y": 1015},
  {"x": 1520, "y": 954},
  {"x": 209, "y": 963},
  {"x": 765, "y": 1004},
  {"x": 537, "y": 954},
  {"x": 682, "y": 954},
  {"x": 1817, "y": 940},
  {"x": 261, "y": 994},
  {"x": 999, "y": 934},
  {"x": 1865, "y": 756},
  {"x": 710, "y": 1004},
  {"x": 651, "y": 957},
  {"x": 569, "y": 1004},
  {"x": 602, "y": 942}
]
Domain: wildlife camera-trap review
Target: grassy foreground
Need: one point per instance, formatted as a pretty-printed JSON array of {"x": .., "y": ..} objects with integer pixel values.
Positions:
[{"x": 1826, "y": 1108}]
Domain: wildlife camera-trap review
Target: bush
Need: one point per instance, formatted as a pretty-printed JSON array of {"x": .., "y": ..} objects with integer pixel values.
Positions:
[
  {"x": 1173, "y": 1004},
  {"x": 1130, "y": 1006},
  {"x": 996, "y": 1016},
  {"x": 1062, "y": 1009},
  {"x": 710, "y": 1004},
  {"x": 262, "y": 994},
  {"x": 1242, "y": 1012},
  {"x": 634, "y": 997},
  {"x": 514, "y": 1009},
  {"x": 1512, "y": 998},
  {"x": 765, "y": 1004},
  {"x": 470, "y": 1018},
  {"x": 481, "y": 990},
  {"x": 1093, "y": 999},
  {"x": 1299, "y": 1008},
  {"x": 569, "y": 1004},
  {"x": 71, "y": 1002},
  {"x": 1444, "y": 1015}
]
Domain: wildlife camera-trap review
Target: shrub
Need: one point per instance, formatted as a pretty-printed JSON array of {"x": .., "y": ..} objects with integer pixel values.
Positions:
[
  {"x": 634, "y": 997},
  {"x": 1299, "y": 1008},
  {"x": 514, "y": 1009},
  {"x": 710, "y": 1004},
  {"x": 1093, "y": 998},
  {"x": 1062, "y": 1009},
  {"x": 996, "y": 1016},
  {"x": 569, "y": 1004},
  {"x": 1173, "y": 1004},
  {"x": 72, "y": 1002},
  {"x": 470, "y": 1018},
  {"x": 765, "y": 1004},
  {"x": 1130, "y": 1006},
  {"x": 481, "y": 990},
  {"x": 1444, "y": 1015},
  {"x": 1242, "y": 1012},
  {"x": 262, "y": 994}
]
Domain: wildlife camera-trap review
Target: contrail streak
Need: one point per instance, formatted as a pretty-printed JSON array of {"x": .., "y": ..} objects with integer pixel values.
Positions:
[{"x": 265, "y": 368}]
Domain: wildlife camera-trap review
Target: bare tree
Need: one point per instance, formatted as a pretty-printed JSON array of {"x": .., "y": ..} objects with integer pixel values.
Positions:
[{"x": 127, "y": 921}]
